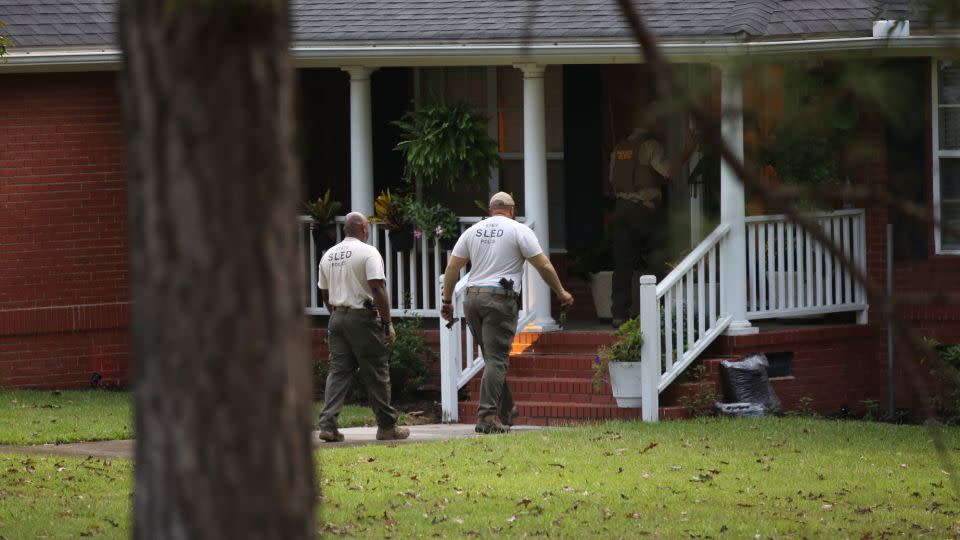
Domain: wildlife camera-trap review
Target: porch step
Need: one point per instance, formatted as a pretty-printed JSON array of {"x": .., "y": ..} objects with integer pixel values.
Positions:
[
  {"x": 551, "y": 389},
  {"x": 549, "y": 413},
  {"x": 566, "y": 342}
]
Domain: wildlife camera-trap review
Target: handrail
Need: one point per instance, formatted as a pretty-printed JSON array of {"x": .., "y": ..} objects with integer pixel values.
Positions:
[
  {"x": 809, "y": 215},
  {"x": 692, "y": 258},
  {"x": 680, "y": 317}
]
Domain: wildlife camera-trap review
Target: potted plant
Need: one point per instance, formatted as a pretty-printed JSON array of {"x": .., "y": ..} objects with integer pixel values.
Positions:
[
  {"x": 393, "y": 213},
  {"x": 622, "y": 361},
  {"x": 435, "y": 221},
  {"x": 595, "y": 264},
  {"x": 323, "y": 228},
  {"x": 447, "y": 145}
]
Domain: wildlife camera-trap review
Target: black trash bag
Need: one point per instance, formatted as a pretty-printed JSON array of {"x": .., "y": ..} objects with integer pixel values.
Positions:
[
  {"x": 746, "y": 381},
  {"x": 740, "y": 409}
]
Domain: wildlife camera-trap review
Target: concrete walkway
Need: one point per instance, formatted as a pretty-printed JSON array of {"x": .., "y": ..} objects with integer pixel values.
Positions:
[{"x": 352, "y": 437}]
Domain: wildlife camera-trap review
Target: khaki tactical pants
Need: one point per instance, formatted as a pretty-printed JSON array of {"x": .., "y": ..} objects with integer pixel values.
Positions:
[
  {"x": 493, "y": 321},
  {"x": 356, "y": 344}
]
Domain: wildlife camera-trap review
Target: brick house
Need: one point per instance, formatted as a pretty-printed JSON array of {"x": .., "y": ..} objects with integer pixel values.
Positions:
[{"x": 560, "y": 84}]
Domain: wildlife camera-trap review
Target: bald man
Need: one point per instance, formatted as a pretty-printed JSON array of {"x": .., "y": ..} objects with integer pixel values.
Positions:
[
  {"x": 351, "y": 282},
  {"x": 496, "y": 248}
]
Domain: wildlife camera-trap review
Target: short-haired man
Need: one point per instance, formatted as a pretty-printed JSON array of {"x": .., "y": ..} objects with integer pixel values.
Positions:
[
  {"x": 352, "y": 282},
  {"x": 496, "y": 248}
]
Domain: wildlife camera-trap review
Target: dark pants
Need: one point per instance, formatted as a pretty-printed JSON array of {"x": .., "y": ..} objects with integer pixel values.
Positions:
[
  {"x": 356, "y": 345},
  {"x": 636, "y": 231},
  {"x": 493, "y": 321}
]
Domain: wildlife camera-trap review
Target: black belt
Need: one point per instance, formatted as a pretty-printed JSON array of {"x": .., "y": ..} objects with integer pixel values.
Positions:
[{"x": 492, "y": 290}]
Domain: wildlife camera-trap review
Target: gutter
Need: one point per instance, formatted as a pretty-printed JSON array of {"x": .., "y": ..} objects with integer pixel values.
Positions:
[{"x": 474, "y": 53}]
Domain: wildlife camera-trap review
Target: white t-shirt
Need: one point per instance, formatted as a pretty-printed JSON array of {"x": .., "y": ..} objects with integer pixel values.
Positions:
[
  {"x": 497, "y": 248},
  {"x": 345, "y": 269}
]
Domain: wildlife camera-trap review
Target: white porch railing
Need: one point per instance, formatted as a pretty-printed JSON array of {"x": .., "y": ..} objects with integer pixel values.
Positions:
[
  {"x": 791, "y": 274},
  {"x": 411, "y": 276},
  {"x": 680, "y": 317},
  {"x": 460, "y": 356}
]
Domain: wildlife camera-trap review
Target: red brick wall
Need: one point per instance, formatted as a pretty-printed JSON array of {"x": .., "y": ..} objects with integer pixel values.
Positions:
[
  {"x": 63, "y": 238},
  {"x": 834, "y": 366}
]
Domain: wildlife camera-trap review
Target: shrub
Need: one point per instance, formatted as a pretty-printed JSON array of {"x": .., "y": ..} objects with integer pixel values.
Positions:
[{"x": 409, "y": 357}]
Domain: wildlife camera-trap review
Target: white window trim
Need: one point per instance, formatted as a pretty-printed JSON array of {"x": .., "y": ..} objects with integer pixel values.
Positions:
[{"x": 937, "y": 155}]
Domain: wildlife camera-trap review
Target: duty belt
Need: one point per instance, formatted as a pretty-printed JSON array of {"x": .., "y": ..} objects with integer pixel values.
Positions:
[
  {"x": 348, "y": 309},
  {"x": 492, "y": 290}
]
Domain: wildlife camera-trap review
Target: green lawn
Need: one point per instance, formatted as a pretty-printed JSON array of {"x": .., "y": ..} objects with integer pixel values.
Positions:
[
  {"x": 43, "y": 416},
  {"x": 781, "y": 478},
  {"x": 776, "y": 478}
]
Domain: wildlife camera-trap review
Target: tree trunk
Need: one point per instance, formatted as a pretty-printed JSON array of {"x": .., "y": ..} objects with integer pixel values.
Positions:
[{"x": 222, "y": 378}]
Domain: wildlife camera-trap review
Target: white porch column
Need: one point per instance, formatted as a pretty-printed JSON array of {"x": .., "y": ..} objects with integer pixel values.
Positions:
[
  {"x": 361, "y": 140},
  {"x": 535, "y": 183},
  {"x": 733, "y": 250}
]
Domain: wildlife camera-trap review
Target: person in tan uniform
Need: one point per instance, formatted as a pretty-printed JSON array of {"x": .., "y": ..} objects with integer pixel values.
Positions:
[
  {"x": 638, "y": 172},
  {"x": 353, "y": 285}
]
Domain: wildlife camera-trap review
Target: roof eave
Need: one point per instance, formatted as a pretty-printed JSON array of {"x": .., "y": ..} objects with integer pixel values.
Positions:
[{"x": 380, "y": 54}]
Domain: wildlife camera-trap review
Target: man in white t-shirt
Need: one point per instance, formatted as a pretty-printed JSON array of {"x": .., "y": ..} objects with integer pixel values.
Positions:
[
  {"x": 496, "y": 249},
  {"x": 353, "y": 286}
]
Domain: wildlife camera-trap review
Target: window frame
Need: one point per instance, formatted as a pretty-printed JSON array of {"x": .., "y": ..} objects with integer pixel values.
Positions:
[{"x": 938, "y": 154}]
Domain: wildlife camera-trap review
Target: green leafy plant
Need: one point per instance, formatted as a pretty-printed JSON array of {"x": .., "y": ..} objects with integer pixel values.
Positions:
[
  {"x": 323, "y": 210},
  {"x": 628, "y": 341},
  {"x": 409, "y": 357},
  {"x": 699, "y": 404},
  {"x": 434, "y": 220},
  {"x": 946, "y": 394},
  {"x": 4, "y": 42},
  {"x": 447, "y": 145}
]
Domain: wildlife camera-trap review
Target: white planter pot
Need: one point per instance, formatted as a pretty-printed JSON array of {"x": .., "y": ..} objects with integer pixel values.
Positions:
[
  {"x": 626, "y": 382},
  {"x": 601, "y": 287}
]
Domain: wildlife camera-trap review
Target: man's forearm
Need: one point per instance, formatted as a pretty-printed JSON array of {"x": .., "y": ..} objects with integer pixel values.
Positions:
[
  {"x": 450, "y": 278},
  {"x": 382, "y": 301},
  {"x": 549, "y": 274}
]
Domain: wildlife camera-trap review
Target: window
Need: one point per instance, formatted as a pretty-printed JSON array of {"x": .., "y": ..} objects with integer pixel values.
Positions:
[{"x": 946, "y": 154}]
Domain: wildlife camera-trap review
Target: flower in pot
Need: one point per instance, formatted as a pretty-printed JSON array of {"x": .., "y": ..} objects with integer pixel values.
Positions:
[
  {"x": 393, "y": 213},
  {"x": 621, "y": 360},
  {"x": 435, "y": 221},
  {"x": 323, "y": 228},
  {"x": 447, "y": 145}
]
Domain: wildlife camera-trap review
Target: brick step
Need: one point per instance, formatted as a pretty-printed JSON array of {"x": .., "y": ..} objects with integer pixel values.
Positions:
[
  {"x": 561, "y": 342},
  {"x": 548, "y": 385},
  {"x": 546, "y": 413}
]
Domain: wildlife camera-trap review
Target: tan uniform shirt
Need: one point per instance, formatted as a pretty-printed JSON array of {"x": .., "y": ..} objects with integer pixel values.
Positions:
[
  {"x": 630, "y": 164},
  {"x": 345, "y": 269}
]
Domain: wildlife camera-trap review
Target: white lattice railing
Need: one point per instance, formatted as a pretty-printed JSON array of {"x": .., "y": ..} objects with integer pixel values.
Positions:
[
  {"x": 411, "y": 276},
  {"x": 460, "y": 355},
  {"x": 791, "y": 274},
  {"x": 680, "y": 317}
]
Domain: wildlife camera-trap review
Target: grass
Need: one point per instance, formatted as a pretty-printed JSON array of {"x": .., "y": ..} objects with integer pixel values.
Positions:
[
  {"x": 50, "y": 417},
  {"x": 779, "y": 478},
  {"x": 717, "y": 478},
  {"x": 51, "y": 497}
]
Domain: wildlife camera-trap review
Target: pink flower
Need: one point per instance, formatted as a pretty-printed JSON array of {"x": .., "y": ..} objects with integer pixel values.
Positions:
[
  {"x": 417, "y": 233},
  {"x": 439, "y": 231}
]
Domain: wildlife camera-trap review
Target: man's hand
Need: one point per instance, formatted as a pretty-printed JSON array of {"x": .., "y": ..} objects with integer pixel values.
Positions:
[
  {"x": 566, "y": 299},
  {"x": 446, "y": 311},
  {"x": 389, "y": 334}
]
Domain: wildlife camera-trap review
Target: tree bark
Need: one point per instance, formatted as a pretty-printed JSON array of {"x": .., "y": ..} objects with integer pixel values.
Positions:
[{"x": 222, "y": 378}]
